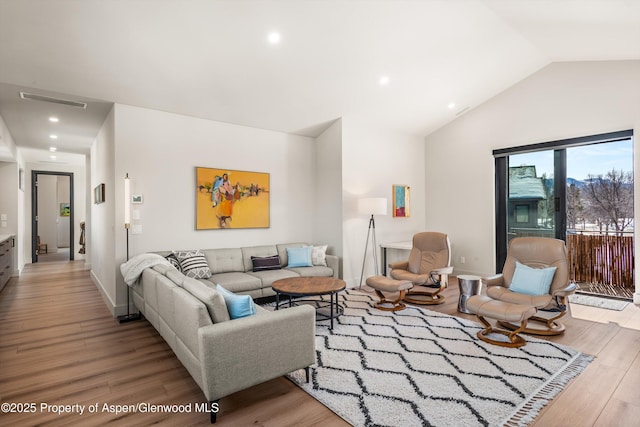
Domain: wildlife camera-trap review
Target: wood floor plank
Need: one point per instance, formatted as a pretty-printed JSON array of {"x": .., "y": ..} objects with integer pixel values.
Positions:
[
  {"x": 60, "y": 345},
  {"x": 620, "y": 414}
]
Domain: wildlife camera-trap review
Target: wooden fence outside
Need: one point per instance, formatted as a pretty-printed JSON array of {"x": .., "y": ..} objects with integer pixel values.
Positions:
[{"x": 601, "y": 259}]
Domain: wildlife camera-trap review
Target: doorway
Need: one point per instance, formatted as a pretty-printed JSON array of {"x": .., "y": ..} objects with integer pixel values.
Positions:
[
  {"x": 52, "y": 214},
  {"x": 579, "y": 191}
]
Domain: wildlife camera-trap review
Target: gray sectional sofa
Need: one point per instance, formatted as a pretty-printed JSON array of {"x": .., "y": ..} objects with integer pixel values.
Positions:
[
  {"x": 223, "y": 355},
  {"x": 232, "y": 268},
  {"x": 226, "y": 355}
]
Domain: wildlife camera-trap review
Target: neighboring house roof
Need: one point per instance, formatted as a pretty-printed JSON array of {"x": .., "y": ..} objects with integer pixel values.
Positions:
[{"x": 524, "y": 184}]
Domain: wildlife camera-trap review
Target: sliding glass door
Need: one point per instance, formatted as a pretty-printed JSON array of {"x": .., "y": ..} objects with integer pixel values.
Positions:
[
  {"x": 535, "y": 196},
  {"x": 531, "y": 195}
]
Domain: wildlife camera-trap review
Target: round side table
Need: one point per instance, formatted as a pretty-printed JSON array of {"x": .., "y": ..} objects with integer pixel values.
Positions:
[{"x": 469, "y": 286}]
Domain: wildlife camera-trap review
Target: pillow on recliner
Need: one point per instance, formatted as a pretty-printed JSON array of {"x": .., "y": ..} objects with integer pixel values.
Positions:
[{"x": 532, "y": 281}]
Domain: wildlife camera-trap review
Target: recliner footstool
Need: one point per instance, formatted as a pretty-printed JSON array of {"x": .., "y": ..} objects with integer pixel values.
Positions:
[
  {"x": 385, "y": 284},
  {"x": 483, "y": 305}
]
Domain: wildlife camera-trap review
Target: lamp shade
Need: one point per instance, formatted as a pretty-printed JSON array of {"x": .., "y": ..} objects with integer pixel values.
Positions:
[
  {"x": 127, "y": 201},
  {"x": 372, "y": 206}
]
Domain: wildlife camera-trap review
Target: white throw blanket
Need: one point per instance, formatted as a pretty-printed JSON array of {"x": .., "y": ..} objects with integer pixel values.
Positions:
[{"x": 132, "y": 269}]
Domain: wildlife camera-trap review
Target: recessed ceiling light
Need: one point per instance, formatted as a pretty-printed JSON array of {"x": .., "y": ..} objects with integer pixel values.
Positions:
[
  {"x": 53, "y": 119},
  {"x": 53, "y": 149},
  {"x": 451, "y": 105},
  {"x": 384, "y": 80},
  {"x": 274, "y": 38},
  {"x": 52, "y": 157},
  {"x": 52, "y": 136}
]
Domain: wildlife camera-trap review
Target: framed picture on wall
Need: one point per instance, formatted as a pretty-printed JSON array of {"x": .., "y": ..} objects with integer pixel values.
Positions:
[
  {"x": 65, "y": 209},
  {"x": 401, "y": 201},
  {"x": 228, "y": 198}
]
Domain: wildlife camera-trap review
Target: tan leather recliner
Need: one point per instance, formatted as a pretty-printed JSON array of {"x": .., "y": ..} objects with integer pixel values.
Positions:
[
  {"x": 427, "y": 268},
  {"x": 536, "y": 252}
]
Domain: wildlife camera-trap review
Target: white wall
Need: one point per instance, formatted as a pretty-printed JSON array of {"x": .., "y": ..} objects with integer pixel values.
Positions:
[
  {"x": 100, "y": 234},
  {"x": 11, "y": 197},
  {"x": 328, "y": 189},
  {"x": 160, "y": 152},
  {"x": 563, "y": 100},
  {"x": 373, "y": 160}
]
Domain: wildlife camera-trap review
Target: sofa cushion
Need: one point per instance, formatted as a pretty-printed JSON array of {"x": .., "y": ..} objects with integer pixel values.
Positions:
[
  {"x": 316, "y": 270},
  {"x": 224, "y": 260},
  {"x": 176, "y": 276},
  {"x": 265, "y": 263},
  {"x": 238, "y": 305},
  {"x": 193, "y": 264},
  {"x": 318, "y": 255},
  {"x": 236, "y": 282},
  {"x": 299, "y": 257},
  {"x": 213, "y": 300},
  {"x": 270, "y": 276}
]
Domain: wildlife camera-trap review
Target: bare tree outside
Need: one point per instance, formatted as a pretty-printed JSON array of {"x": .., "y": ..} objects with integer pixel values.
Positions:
[
  {"x": 609, "y": 200},
  {"x": 575, "y": 206}
]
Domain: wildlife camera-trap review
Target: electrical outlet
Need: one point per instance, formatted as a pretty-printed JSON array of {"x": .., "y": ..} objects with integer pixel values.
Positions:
[{"x": 462, "y": 260}]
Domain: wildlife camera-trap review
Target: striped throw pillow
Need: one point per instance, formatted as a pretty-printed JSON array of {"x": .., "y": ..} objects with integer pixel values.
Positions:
[{"x": 193, "y": 264}]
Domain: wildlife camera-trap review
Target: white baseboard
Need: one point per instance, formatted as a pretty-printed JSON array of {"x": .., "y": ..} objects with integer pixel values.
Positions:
[{"x": 107, "y": 300}]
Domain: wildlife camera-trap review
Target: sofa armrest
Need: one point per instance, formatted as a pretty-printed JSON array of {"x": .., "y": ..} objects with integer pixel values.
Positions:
[
  {"x": 400, "y": 265},
  {"x": 566, "y": 291},
  {"x": 333, "y": 262},
  {"x": 495, "y": 280},
  {"x": 240, "y": 353}
]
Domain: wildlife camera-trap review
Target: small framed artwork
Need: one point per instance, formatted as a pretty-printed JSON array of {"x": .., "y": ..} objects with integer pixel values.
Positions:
[
  {"x": 401, "y": 201},
  {"x": 98, "y": 194},
  {"x": 65, "y": 209},
  {"x": 136, "y": 199}
]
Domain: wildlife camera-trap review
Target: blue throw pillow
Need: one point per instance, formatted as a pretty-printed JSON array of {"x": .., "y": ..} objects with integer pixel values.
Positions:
[
  {"x": 237, "y": 305},
  {"x": 299, "y": 257},
  {"x": 532, "y": 281}
]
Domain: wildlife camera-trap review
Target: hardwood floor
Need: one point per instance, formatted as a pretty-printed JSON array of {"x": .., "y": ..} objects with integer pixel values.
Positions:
[{"x": 59, "y": 345}]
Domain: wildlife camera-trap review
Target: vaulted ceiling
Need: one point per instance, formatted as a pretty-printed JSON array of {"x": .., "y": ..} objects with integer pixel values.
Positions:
[{"x": 213, "y": 59}]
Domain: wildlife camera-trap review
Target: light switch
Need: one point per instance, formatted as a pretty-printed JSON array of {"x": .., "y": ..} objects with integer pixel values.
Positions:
[
  {"x": 135, "y": 214},
  {"x": 136, "y": 229},
  {"x": 3, "y": 217}
]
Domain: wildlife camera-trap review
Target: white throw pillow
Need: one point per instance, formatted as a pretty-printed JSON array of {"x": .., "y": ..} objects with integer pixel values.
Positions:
[{"x": 318, "y": 255}]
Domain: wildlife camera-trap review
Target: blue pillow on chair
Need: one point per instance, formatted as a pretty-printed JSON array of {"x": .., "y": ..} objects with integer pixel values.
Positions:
[
  {"x": 299, "y": 257},
  {"x": 532, "y": 281},
  {"x": 237, "y": 305}
]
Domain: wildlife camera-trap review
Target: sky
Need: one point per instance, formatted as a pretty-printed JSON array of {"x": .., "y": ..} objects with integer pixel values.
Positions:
[{"x": 595, "y": 159}]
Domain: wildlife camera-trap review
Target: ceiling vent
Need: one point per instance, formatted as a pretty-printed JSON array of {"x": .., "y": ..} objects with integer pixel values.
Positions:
[{"x": 34, "y": 97}]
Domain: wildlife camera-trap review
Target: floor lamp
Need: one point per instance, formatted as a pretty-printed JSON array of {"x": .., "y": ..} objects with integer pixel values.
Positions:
[
  {"x": 371, "y": 206},
  {"x": 127, "y": 224}
]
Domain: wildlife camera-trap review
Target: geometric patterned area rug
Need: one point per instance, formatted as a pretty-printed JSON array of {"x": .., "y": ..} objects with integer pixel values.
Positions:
[
  {"x": 417, "y": 367},
  {"x": 592, "y": 301}
]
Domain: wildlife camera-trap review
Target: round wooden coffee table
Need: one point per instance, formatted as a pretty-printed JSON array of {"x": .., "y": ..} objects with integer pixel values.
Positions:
[{"x": 312, "y": 286}]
